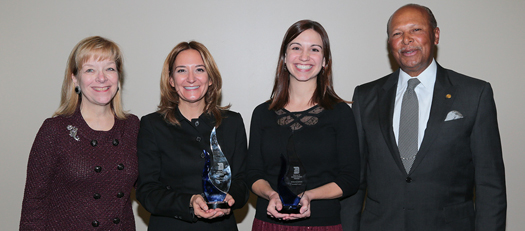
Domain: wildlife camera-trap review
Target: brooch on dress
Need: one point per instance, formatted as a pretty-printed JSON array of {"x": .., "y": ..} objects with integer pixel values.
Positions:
[{"x": 73, "y": 132}]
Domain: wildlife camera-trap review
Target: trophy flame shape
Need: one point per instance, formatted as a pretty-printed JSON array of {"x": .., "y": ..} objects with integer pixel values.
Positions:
[
  {"x": 292, "y": 180},
  {"x": 216, "y": 175}
]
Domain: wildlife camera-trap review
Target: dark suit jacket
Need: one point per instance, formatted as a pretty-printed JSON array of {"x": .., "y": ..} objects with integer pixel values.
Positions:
[
  {"x": 171, "y": 163},
  {"x": 457, "y": 180}
]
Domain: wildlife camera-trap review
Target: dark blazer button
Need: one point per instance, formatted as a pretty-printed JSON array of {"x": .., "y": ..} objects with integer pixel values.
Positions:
[
  {"x": 196, "y": 123},
  {"x": 203, "y": 155},
  {"x": 95, "y": 223},
  {"x": 408, "y": 179},
  {"x": 115, "y": 142},
  {"x": 96, "y": 196},
  {"x": 120, "y": 194},
  {"x": 116, "y": 220},
  {"x": 198, "y": 139},
  {"x": 94, "y": 143},
  {"x": 120, "y": 167},
  {"x": 98, "y": 169}
]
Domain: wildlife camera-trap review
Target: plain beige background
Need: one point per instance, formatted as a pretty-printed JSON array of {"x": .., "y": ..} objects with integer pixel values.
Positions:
[{"x": 480, "y": 38}]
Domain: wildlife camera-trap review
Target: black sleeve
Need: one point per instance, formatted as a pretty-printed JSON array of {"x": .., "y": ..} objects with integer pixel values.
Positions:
[
  {"x": 156, "y": 197},
  {"x": 255, "y": 164},
  {"x": 347, "y": 151},
  {"x": 351, "y": 207},
  {"x": 238, "y": 189}
]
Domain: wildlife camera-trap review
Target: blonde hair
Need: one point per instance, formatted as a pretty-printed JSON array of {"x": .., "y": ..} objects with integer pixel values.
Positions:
[
  {"x": 169, "y": 98},
  {"x": 98, "y": 48}
]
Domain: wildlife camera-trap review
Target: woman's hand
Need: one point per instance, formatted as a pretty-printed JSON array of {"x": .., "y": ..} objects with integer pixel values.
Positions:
[
  {"x": 274, "y": 206},
  {"x": 229, "y": 199},
  {"x": 304, "y": 212},
  {"x": 327, "y": 191},
  {"x": 201, "y": 210}
]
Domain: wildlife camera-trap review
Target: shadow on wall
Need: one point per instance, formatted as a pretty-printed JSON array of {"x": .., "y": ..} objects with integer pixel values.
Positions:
[
  {"x": 242, "y": 213},
  {"x": 142, "y": 212}
]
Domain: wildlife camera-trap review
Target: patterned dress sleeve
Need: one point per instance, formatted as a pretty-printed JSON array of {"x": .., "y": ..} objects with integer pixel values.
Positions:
[{"x": 43, "y": 161}]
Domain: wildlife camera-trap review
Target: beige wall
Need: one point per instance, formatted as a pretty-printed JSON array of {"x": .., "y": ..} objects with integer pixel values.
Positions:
[{"x": 481, "y": 38}]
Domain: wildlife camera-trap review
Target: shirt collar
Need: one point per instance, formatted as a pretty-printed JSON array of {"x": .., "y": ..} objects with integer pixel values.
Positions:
[
  {"x": 207, "y": 118},
  {"x": 427, "y": 78}
]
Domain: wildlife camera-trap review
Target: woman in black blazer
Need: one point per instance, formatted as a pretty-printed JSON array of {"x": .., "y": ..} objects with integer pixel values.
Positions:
[{"x": 172, "y": 143}]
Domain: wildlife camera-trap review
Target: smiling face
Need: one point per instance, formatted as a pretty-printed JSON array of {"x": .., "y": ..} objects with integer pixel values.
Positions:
[
  {"x": 190, "y": 78},
  {"x": 304, "y": 56},
  {"x": 412, "y": 39},
  {"x": 98, "y": 80}
]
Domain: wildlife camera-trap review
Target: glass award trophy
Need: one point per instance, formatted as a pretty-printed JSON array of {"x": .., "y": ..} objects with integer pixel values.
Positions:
[
  {"x": 292, "y": 180},
  {"x": 216, "y": 175}
]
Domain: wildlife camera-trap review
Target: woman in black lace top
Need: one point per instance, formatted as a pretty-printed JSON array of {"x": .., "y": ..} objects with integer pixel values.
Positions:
[{"x": 304, "y": 106}]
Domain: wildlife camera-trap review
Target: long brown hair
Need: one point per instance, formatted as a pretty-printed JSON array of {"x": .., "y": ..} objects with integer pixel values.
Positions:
[
  {"x": 98, "y": 48},
  {"x": 324, "y": 94},
  {"x": 169, "y": 98}
]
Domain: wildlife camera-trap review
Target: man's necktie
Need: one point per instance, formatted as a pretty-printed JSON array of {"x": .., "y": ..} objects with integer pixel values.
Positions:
[{"x": 408, "y": 125}]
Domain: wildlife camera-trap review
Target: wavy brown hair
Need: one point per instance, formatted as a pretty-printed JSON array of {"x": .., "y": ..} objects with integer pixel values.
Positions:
[
  {"x": 169, "y": 98},
  {"x": 324, "y": 94},
  {"x": 98, "y": 48}
]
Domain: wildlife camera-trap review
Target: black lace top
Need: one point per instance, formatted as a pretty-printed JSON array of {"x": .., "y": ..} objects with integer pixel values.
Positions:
[
  {"x": 326, "y": 142},
  {"x": 297, "y": 120}
]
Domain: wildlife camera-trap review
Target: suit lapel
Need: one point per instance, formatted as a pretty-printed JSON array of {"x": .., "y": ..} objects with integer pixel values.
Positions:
[
  {"x": 387, "y": 97},
  {"x": 442, "y": 100}
]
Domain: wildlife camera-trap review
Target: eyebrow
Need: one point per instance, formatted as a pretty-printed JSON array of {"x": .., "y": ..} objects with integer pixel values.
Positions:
[
  {"x": 314, "y": 45},
  {"x": 182, "y": 66},
  {"x": 87, "y": 64}
]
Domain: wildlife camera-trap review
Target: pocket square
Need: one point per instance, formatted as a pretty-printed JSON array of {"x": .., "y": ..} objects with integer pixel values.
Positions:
[{"x": 453, "y": 115}]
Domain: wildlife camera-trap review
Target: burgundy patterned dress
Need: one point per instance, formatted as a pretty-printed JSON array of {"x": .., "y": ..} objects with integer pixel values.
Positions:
[{"x": 79, "y": 178}]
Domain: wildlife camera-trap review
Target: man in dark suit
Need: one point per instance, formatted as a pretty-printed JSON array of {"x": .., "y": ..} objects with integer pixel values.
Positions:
[{"x": 433, "y": 160}]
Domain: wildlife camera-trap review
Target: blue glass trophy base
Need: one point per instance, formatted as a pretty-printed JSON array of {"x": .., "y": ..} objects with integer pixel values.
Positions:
[
  {"x": 215, "y": 200},
  {"x": 291, "y": 209},
  {"x": 218, "y": 205},
  {"x": 290, "y": 202}
]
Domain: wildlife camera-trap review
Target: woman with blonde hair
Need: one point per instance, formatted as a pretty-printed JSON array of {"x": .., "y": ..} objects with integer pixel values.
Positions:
[
  {"x": 173, "y": 143},
  {"x": 83, "y": 165}
]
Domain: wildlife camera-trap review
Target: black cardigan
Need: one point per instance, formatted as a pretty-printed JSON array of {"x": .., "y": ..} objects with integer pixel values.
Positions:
[
  {"x": 328, "y": 150},
  {"x": 171, "y": 161}
]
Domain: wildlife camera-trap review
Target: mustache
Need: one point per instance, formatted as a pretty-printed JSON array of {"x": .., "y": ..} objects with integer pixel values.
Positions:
[{"x": 403, "y": 49}]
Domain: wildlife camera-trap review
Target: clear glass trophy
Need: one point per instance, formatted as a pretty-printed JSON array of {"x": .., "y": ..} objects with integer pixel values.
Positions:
[
  {"x": 216, "y": 175},
  {"x": 292, "y": 180}
]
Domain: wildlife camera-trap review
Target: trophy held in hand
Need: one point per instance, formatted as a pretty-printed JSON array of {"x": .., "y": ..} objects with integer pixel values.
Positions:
[
  {"x": 216, "y": 175},
  {"x": 292, "y": 180}
]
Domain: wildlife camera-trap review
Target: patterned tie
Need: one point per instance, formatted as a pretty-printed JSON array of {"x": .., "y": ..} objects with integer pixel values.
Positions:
[{"x": 408, "y": 125}]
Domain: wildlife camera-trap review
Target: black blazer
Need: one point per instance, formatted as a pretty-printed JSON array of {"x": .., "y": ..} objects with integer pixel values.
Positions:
[
  {"x": 457, "y": 181},
  {"x": 171, "y": 162}
]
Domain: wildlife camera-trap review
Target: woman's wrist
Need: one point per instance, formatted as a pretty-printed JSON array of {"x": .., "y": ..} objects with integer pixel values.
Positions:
[{"x": 271, "y": 194}]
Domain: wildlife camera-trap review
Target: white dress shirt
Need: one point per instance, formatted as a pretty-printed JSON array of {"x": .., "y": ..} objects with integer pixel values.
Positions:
[{"x": 424, "y": 92}]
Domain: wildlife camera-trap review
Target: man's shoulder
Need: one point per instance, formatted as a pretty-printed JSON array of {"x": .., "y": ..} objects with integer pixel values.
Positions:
[
  {"x": 459, "y": 79},
  {"x": 376, "y": 83}
]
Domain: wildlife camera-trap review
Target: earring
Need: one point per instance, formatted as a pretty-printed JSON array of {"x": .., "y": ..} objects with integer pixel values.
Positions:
[{"x": 78, "y": 90}]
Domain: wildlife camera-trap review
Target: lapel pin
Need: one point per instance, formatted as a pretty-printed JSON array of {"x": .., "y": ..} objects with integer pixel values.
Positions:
[
  {"x": 73, "y": 132},
  {"x": 448, "y": 96}
]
